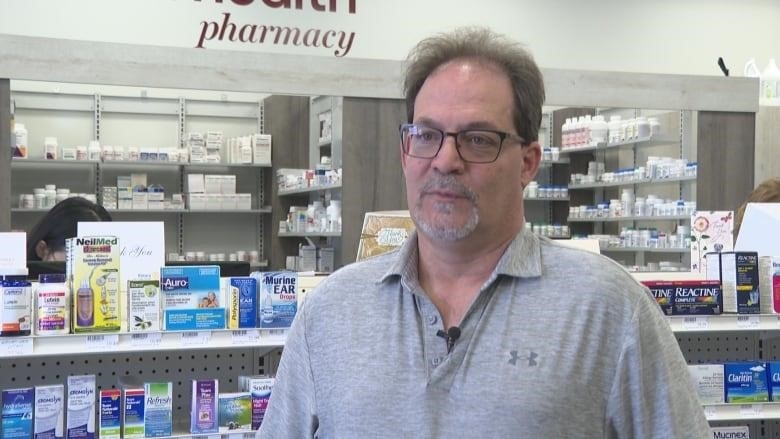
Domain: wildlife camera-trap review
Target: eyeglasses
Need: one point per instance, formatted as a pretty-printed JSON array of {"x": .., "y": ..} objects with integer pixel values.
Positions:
[{"x": 473, "y": 146}]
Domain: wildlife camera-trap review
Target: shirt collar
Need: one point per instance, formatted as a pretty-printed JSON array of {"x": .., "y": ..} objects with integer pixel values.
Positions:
[{"x": 522, "y": 258}]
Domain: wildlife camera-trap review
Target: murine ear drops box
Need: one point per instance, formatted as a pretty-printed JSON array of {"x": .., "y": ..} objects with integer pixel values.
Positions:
[{"x": 278, "y": 295}]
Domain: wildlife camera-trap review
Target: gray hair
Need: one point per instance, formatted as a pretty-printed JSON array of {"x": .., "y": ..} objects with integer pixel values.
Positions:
[{"x": 486, "y": 46}]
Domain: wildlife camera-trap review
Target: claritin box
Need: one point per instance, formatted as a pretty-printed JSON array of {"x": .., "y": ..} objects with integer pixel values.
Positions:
[{"x": 191, "y": 298}]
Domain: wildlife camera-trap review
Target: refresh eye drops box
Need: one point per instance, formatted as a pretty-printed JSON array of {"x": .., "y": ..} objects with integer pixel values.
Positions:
[
  {"x": 81, "y": 407},
  {"x": 192, "y": 298},
  {"x": 746, "y": 382},
  {"x": 17, "y": 413},
  {"x": 49, "y": 412},
  {"x": 158, "y": 409}
]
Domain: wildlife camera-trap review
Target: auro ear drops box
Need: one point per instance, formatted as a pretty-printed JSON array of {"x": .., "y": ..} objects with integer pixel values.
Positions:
[
  {"x": 746, "y": 382},
  {"x": 81, "y": 407},
  {"x": 92, "y": 267},
  {"x": 158, "y": 410},
  {"x": 192, "y": 298},
  {"x": 109, "y": 411},
  {"x": 49, "y": 412},
  {"x": 17, "y": 413}
]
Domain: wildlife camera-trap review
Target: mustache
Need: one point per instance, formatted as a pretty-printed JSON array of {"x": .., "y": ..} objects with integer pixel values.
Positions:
[{"x": 451, "y": 184}]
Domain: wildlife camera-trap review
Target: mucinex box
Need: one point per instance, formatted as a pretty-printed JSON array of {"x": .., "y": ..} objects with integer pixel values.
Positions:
[
  {"x": 746, "y": 382},
  {"x": 49, "y": 420},
  {"x": 192, "y": 299}
]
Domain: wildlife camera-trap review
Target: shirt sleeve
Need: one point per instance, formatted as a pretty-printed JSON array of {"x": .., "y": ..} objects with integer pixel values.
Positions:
[
  {"x": 652, "y": 395},
  {"x": 292, "y": 408}
]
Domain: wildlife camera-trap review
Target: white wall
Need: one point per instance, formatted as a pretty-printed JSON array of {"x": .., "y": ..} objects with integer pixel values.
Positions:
[{"x": 655, "y": 36}]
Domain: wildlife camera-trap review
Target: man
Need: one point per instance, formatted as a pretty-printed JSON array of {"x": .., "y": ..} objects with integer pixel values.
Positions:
[{"x": 476, "y": 328}]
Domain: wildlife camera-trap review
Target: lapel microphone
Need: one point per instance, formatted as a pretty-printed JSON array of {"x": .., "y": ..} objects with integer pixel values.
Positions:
[{"x": 450, "y": 336}]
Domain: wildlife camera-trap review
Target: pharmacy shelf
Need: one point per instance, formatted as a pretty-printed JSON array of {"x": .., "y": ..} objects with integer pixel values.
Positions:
[
  {"x": 14, "y": 347},
  {"x": 725, "y": 322},
  {"x": 645, "y": 249},
  {"x": 308, "y": 190},
  {"x": 309, "y": 235},
  {"x": 549, "y": 163},
  {"x": 176, "y": 165},
  {"x": 41, "y": 163},
  {"x": 644, "y": 141},
  {"x": 631, "y": 182},
  {"x": 266, "y": 209},
  {"x": 566, "y": 199},
  {"x": 629, "y": 218},
  {"x": 742, "y": 412}
]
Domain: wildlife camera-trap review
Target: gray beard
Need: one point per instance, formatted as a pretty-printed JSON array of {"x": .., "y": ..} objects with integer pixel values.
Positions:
[{"x": 437, "y": 227}]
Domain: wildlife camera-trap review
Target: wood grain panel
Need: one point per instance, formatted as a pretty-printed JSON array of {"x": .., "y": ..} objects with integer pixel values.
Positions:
[{"x": 725, "y": 156}]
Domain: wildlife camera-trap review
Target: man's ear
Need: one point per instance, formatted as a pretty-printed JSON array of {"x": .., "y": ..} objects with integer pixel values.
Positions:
[
  {"x": 41, "y": 250},
  {"x": 532, "y": 156}
]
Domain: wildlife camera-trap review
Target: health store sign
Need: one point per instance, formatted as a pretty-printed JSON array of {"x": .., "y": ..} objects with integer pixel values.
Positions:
[{"x": 225, "y": 28}]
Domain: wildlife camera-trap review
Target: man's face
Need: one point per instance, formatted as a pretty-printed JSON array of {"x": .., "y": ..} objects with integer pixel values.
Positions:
[{"x": 449, "y": 198}]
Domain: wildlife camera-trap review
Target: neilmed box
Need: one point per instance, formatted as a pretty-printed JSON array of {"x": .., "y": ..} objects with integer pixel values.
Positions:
[
  {"x": 242, "y": 302},
  {"x": 192, "y": 299},
  {"x": 49, "y": 420},
  {"x": 278, "y": 296},
  {"x": 738, "y": 275},
  {"x": 746, "y": 382},
  {"x": 17, "y": 413}
]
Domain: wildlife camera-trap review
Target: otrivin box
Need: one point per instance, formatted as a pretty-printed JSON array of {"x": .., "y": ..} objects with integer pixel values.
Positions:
[
  {"x": 746, "y": 382},
  {"x": 49, "y": 420},
  {"x": 81, "y": 407},
  {"x": 158, "y": 409},
  {"x": 242, "y": 302},
  {"x": 738, "y": 275},
  {"x": 204, "y": 412},
  {"x": 708, "y": 381},
  {"x": 133, "y": 412},
  {"x": 17, "y": 413},
  {"x": 278, "y": 295},
  {"x": 192, "y": 299},
  {"x": 235, "y": 411},
  {"x": 109, "y": 414}
]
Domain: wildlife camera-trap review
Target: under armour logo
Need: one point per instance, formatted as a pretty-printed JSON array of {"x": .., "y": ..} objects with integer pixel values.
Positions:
[{"x": 531, "y": 358}]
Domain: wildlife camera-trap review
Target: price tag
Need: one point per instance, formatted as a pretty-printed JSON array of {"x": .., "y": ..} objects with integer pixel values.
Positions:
[
  {"x": 10, "y": 347},
  {"x": 245, "y": 336},
  {"x": 748, "y": 322},
  {"x": 696, "y": 323},
  {"x": 750, "y": 411},
  {"x": 146, "y": 339},
  {"x": 101, "y": 342},
  {"x": 710, "y": 413},
  {"x": 195, "y": 338}
]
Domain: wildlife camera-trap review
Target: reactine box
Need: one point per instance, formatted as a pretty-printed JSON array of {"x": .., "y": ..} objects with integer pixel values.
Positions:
[
  {"x": 739, "y": 276},
  {"x": 687, "y": 297}
]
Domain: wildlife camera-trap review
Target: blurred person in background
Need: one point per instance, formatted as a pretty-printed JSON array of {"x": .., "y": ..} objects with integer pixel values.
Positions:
[{"x": 46, "y": 240}]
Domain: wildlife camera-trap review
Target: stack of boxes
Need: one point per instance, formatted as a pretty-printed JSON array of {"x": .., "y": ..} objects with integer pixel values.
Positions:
[
  {"x": 196, "y": 147},
  {"x": 213, "y": 143},
  {"x": 215, "y": 192}
]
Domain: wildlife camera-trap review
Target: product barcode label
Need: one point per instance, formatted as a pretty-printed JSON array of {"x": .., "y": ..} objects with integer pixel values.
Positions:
[
  {"x": 696, "y": 323},
  {"x": 195, "y": 338},
  {"x": 245, "y": 336},
  {"x": 710, "y": 412},
  {"x": 100, "y": 342},
  {"x": 750, "y": 411},
  {"x": 146, "y": 339},
  {"x": 11, "y": 347},
  {"x": 748, "y": 322}
]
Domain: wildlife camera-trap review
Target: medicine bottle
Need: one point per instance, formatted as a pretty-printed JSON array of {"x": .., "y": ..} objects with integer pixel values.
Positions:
[
  {"x": 52, "y": 305},
  {"x": 15, "y": 303}
]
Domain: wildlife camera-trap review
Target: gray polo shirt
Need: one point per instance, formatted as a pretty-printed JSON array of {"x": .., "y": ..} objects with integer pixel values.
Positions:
[{"x": 558, "y": 343}]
